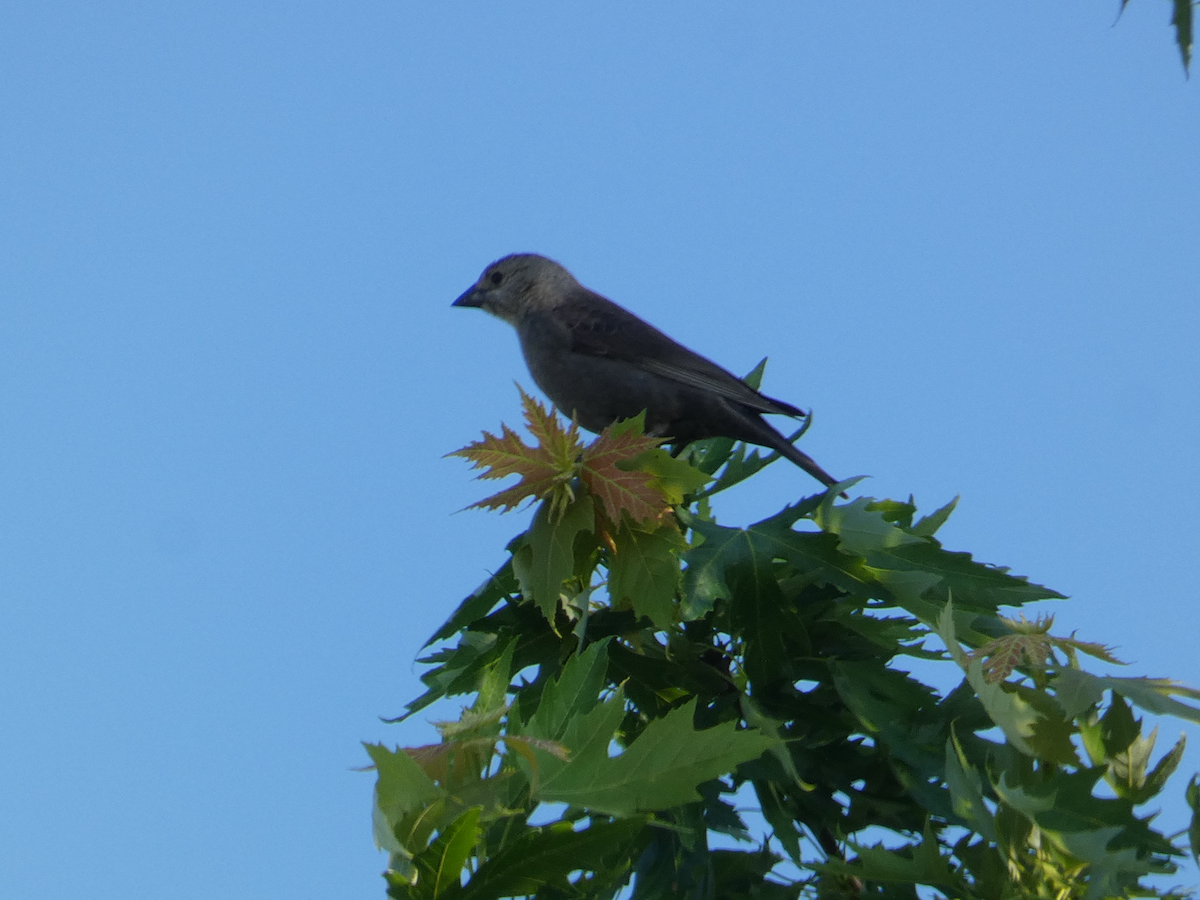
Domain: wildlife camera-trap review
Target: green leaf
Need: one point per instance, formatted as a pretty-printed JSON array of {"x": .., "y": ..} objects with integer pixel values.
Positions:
[
  {"x": 673, "y": 475},
  {"x": 659, "y": 770},
  {"x": 759, "y": 613},
  {"x": 966, "y": 790},
  {"x": 548, "y": 557},
  {"x": 927, "y": 526},
  {"x": 493, "y": 686},
  {"x": 763, "y": 723},
  {"x": 1192, "y": 796},
  {"x": 861, "y": 530},
  {"x": 541, "y": 857},
  {"x": 1063, "y": 802},
  {"x": 402, "y": 786},
  {"x": 1181, "y": 18},
  {"x": 895, "y": 511},
  {"x": 914, "y": 864},
  {"x": 586, "y": 738},
  {"x": 644, "y": 571},
  {"x": 462, "y": 667},
  {"x": 1029, "y": 719},
  {"x": 1118, "y": 728},
  {"x": 574, "y": 693},
  {"x": 975, "y": 586},
  {"x": 499, "y": 586},
  {"x": 722, "y": 549},
  {"x": 407, "y": 804},
  {"x": 887, "y": 703},
  {"x": 1165, "y": 768},
  {"x": 1154, "y": 695},
  {"x": 440, "y": 865},
  {"x": 1111, "y": 872},
  {"x": 1076, "y": 692}
]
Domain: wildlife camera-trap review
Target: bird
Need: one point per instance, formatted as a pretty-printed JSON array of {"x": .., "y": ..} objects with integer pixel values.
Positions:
[{"x": 599, "y": 363}]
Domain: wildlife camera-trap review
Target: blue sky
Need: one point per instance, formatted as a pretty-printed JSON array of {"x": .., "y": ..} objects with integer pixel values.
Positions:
[{"x": 965, "y": 234}]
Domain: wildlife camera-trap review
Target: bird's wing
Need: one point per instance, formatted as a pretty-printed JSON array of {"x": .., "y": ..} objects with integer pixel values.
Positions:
[{"x": 598, "y": 327}]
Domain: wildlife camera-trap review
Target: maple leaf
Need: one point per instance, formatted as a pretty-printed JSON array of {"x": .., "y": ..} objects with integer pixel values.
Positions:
[
  {"x": 547, "y": 468},
  {"x": 1006, "y": 653},
  {"x": 560, "y": 445},
  {"x": 605, "y": 469},
  {"x": 1032, "y": 644}
]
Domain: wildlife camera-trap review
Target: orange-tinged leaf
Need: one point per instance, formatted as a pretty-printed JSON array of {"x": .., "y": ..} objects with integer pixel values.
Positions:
[
  {"x": 561, "y": 445},
  {"x": 1004, "y": 654},
  {"x": 621, "y": 489},
  {"x": 509, "y": 455},
  {"x": 453, "y": 762},
  {"x": 543, "y": 467}
]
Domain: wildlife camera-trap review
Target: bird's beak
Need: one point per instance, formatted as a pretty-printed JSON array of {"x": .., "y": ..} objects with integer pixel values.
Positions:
[{"x": 472, "y": 297}]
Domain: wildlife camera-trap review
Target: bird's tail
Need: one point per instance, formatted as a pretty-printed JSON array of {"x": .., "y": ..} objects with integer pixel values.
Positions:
[
  {"x": 767, "y": 436},
  {"x": 806, "y": 462}
]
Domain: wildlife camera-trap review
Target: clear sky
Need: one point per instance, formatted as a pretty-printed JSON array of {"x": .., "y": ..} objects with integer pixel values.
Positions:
[{"x": 964, "y": 233}]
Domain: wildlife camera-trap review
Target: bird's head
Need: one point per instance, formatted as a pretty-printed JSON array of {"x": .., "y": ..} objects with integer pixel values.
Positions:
[{"x": 515, "y": 283}]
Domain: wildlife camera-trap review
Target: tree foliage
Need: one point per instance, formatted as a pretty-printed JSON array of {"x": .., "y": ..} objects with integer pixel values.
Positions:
[
  {"x": 651, "y": 689},
  {"x": 1183, "y": 15}
]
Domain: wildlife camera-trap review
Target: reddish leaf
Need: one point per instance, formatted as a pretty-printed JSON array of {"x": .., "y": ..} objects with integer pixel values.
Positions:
[
  {"x": 561, "y": 445},
  {"x": 1004, "y": 654},
  {"x": 542, "y": 467},
  {"x": 621, "y": 489}
]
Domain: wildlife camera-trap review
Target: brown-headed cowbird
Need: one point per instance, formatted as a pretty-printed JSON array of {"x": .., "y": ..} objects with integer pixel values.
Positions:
[{"x": 602, "y": 363}]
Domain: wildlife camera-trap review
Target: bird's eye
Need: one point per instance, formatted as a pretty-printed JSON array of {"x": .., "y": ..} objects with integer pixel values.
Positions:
[{"x": 497, "y": 277}]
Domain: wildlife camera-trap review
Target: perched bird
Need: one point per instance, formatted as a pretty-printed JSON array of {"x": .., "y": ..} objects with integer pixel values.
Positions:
[{"x": 600, "y": 362}]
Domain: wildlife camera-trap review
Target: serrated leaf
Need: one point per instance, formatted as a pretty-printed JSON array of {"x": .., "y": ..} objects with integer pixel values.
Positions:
[
  {"x": 548, "y": 557},
  {"x": 886, "y": 702},
  {"x": 1110, "y": 871},
  {"x": 453, "y": 763},
  {"x": 541, "y": 856},
  {"x": 674, "y": 476},
  {"x": 927, "y": 526},
  {"x": 493, "y": 686},
  {"x": 509, "y": 455},
  {"x": 759, "y": 612},
  {"x": 573, "y": 693},
  {"x": 915, "y": 864},
  {"x": 644, "y": 570},
  {"x": 722, "y": 549},
  {"x": 1027, "y": 802},
  {"x": 542, "y": 468},
  {"x": 479, "y": 603},
  {"x": 760, "y": 721},
  {"x": 1001, "y": 656},
  {"x": 1181, "y": 18},
  {"x": 1118, "y": 728},
  {"x": 407, "y": 803},
  {"x": 1155, "y": 695},
  {"x": 861, "y": 530},
  {"x": 1090, "y": 648},
  {"x": 659, "y": 770},
  {"x": 440, "y": 865},
  {"x": 402, "y": 785},
  {"x": 1063, "y": 802},
  {"x": 605, "y": 467},
  {"x": 1015, "y": 716},
  {"x": 1163, "y": 770},
  {"x": 1076, "y": 691},
  {"x": 975, "y": 586},
  {"x": 1192, "y": 795},
  {"x": 559, "y": 445},
  {"x": 586, "y": 737},
  {"x": 966, "y": 790}
]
